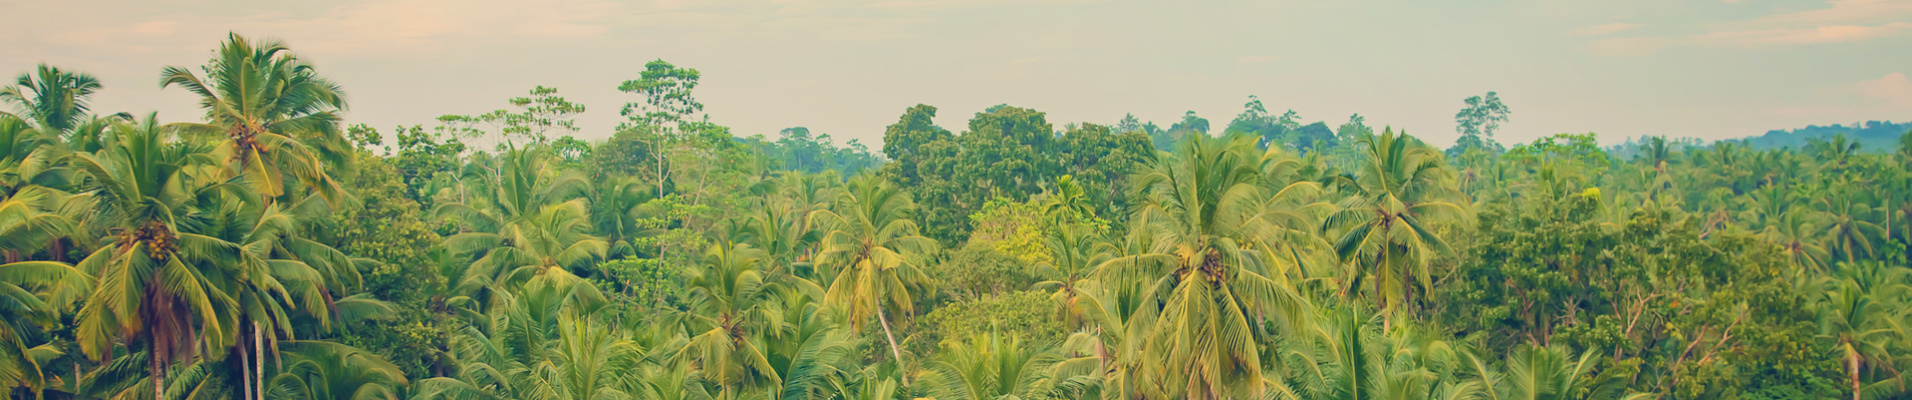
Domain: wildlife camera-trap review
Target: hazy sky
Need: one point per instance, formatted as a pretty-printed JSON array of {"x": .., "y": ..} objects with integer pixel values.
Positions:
[{"x": 1622, "y": 68}]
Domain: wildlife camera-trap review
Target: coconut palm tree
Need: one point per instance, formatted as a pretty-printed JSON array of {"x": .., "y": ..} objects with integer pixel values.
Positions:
[
  {"x": 33, "y": 296},
  {"x": 1845, "y": 221},
  {"x": 532, "y": 221},
  {"x": 1068, "y": 203},
  {"x": 870, "y": 254},
  {"x": 1797, "y": 231},
  {"x": 784, "y": 233},
  {"x": 810, "y": 351},
  {"x": 1835, "y": 152},
  {"x": 992, "y": 367},
  {"x": 29, "y": 157},
  {"x": 1387, "y": 225},
  {"x": 1347, "y": 358},
  {"x": 1204, "y": 210},
  {"x": 279, "y": 118},
  {"x": 55, "y": 100},
  {"x": 279, "y": 270},
  {"x": 320, "y": 370},
  {"x": 155, "y": 284},
  {"x": 1074, "y": 252},
  {"x": 544, "y": 341},
  {"x": 1553, "y": 373},
  {"x": 1857, "y": 326},
  {"x": 614, "y": 203},
  {"x": 731, "y": 309}
]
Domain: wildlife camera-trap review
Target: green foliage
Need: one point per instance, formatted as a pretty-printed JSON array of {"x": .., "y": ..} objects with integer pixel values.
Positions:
[
  {"x": 256, "y": 254},
  {"x": 1013, "y": 228},
  {"x": 1029, "y": 315},
  {"x": 980, "y": 269},
  {"x": 387, "y": 226},
  {"x": 1007, "y": 152},
  {"x": 1565, "y": 147},
  {"x": 648, "y": 282},
  {"x": 796, "y": 149},
  {"x": 1477, "y": 124}
]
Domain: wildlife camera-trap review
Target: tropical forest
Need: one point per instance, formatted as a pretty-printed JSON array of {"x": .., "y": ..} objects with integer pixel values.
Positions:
[{"x": 271, "y": 248}]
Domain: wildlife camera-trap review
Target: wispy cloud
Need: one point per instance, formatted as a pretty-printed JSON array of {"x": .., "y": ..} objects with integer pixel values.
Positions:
[
  {"x": 396, "y": 26},
  {"x": 1840, "y": 22},
  {"x": 1809, "y": 112},
  {"x": 1894, "y": 89},
  {"x": 1843, "y": 11},
  {"x": 1256, "y": 59},
  {"x": 1606, "y": 29}
]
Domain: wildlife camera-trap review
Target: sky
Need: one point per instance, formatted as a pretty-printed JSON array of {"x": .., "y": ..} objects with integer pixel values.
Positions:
[{"x": 1708, "y": 69}]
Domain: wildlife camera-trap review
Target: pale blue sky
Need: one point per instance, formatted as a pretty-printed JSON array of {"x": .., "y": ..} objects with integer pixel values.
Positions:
[{"x": 1622, "y": 68}]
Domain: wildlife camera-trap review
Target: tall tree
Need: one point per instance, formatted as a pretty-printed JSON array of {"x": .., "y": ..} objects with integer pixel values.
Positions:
[
  {"x": 153, "y": 287},
  {"x": 1207, "y": 270},
  {"x": 668, "y": 103},
  {"x": 279, "y": 117},
  {"x": 1477, "y": 123},
  {"x": 56, "y": 100},
  {"x": 871, "y": 249},
  {"x": 534, "y": 221},
  {"x": 730, "y": 300},
  {"x": 1387, "y": 226}
]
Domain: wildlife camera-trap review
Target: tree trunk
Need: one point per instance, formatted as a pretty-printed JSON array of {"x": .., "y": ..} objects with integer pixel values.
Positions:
[
  {"x": 245, "y": 369},
  {"x": 259, "y": 343},
  {"x": 894, "y": 352},
  {"x": 153, "y": 370},
  {"x": 1852, "y": 367}
]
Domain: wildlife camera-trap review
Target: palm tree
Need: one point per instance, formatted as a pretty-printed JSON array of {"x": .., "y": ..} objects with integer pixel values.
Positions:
[
  {"x": 784, "y": 233},
  {"x": 34, "y": 219},
  {"x": 615, "y": 202},
  {"x": 1205, "y": 210},
  {"x": 870, "y": 250},
  {"x": 1114, "y": 339},
  {"x": 281, "y": 269},
  {"x": 1074, "y": 252},
  {"x": 30, "y": 157},
  {"x": 1857, "y": 326},
  {"x": 1835, "y": 152},
  {"x": 992, "y": 367},
  {"x": 1347, "y": 359},
  {"x": 33, "y": 295},
  {"x": 863, "y": 385},
  {"x": 810, "y": 351},
  {"x": 154, "y": 284},
  {"x": 1552, "y": 373},
  {"x": 319, "y": 370},
  {"x": 1797, "y": 232},
  {"x": 544, "y": 341},
  {"x": 1068, "y": 203},
  {"x": 531, "y": 222},
  {"x": 1387, "y": 225},
  {"x": 1846, "y": 227},
  {"x": 54, "y": 99},
  {"x": 730, "y": 301},
  {"x": 277, "y": 115}
]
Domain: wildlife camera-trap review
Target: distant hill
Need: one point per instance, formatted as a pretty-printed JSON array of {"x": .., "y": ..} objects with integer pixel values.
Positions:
[{"x": 1873, "y": 136}]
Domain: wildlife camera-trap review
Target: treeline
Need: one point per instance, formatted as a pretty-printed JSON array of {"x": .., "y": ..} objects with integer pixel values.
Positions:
[
  {"x": 1877, "y": 136},
  {"x": 269, "y": 250}
]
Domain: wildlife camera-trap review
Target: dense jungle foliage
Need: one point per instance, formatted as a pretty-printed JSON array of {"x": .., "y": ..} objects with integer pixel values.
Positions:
[{"x": 270, "y": 250}]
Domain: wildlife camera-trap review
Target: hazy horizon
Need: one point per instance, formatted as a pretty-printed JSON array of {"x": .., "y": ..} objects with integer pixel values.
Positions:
[{"x": 1706, "y": 69}]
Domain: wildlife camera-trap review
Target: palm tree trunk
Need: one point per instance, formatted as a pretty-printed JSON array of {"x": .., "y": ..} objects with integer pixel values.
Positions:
[
  {"x": 153, "y": 370},
  {"x": 1380, "y": 296},
  {"x": 259, "y": 344},
  {"x": 1852, "y": 369},
  {"x": 894, "y": 352},
  {"x": 245, "y": 370}
]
